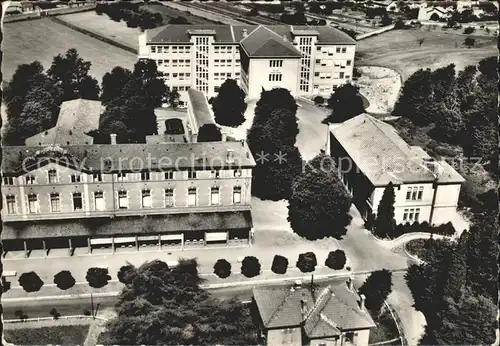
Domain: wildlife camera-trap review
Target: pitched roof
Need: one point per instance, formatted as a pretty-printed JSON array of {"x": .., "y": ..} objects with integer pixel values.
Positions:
[
  {"x": 179, "y": 33},
  {"x": 129, "y": 157},
  {"x": 76, "y": 118},
  {"x": 263, "y": 42},
  {"x": 382, "y": 155},
  {"x": 325, "y": 312},
  {"x": 131, "y": 225},
  {"x": 201, "y": 108}
]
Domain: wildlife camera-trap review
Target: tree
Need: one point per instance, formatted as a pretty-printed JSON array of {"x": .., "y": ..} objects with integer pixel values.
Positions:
[
  {"x": 336, "y": 260},
  {"x": 434, "y": 17},
  {"x": 30, "y": 282},
  {"x": 454, "y": 281},
  {"x": 250, "y": 266},
  {"x": 229, "y": 106},
  {"x": 97, "y": 277},
  {"x": 70, "y": 73},
  {"x": 127, "y": 274},
  {"x": 385, "y": 223},
  {"x": 319, "y": 205},
  {"x": 222, "y": 268},
  {"x": 469, "y": 30},
  {"x": 376, "y": 289},
  {"x": 54, "y": 313},
  {"x": 173, "y": 98},
  {"x": 22, "y": 316},
  {"x": 113, "y": 83},
  {"x": 209, "y": 133},
  {"x": 5, "y": 285},
  {"x": 178, "y": 20},
  {"x": 280, "y": 264},
  {"x": 345, "y": 104},
  {"x": 167, "y": 306},
  {"x": 319, "y": 100},
  {"x": 64, "y": 280},
  {"x": 469, "y": 42},
  {"x": 307, "y": 262},
  {"x": 386, "y": 20}
]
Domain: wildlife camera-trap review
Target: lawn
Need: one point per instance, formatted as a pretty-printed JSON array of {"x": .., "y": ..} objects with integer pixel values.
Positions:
[
  {"x": 104, "y": 26},
  {"x": 400, "y": 50},
  {"x": 60, "y": 335},
  {"x": 43, "y": 39},
  {"x": 386, "y": 330}
]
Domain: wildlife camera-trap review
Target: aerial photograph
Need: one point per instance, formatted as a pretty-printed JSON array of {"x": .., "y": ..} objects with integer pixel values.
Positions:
[{"x": 256, "y": 172}]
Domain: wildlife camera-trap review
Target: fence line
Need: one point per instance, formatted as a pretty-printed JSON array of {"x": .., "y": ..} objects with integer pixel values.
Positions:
[
  {"x": 398, "y": 323},
  {"x": 385, "y": 342},
  {"x": 69, "y": 317},
  {"x": 39, "y": 14}
]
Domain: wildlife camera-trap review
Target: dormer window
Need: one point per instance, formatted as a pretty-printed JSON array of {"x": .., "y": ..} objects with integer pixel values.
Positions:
[
  {"x": 230, "y": 156},
  {"x": 30, "y": 179},
  {"x": 75, "y": 178},
  {"x": 8, "y": 180}
]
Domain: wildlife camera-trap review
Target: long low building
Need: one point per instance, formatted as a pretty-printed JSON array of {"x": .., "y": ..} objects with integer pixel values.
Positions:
[
  {"x": 369, "y": 154},
  {"x": 185, "y": 193}
]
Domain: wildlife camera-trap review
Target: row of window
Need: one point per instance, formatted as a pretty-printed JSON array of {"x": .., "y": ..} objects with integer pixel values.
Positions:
[
  {"x": 331, "y": 50},
  {"x": 181, "y": 88},
  {"x": 33, "y": 204},
  {"x": 53, "y": 176},
  {"x": 175, "y": 63},
  {"x": 172, "y": 49},
  {"x": 335, "y": 75},
  {"x": 225, "y": 62},
  {"x": 275, "y": 63},
  {"x": 223, "y": 49},
  {"x": 222, "y": 75},
  {"x": 180, "y": 75},
  {"x": 275, "y": 77},
  {"x": 411, "y": 214},
  {"x": 335, "y": 63},
  {"x": 414, "y": 193}
]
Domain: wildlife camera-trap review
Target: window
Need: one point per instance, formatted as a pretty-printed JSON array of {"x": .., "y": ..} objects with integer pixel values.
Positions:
[
  {"x": 99, "y": 200},
  {"x": 160, "y": 49},
  {"x": 52, "y": 176},
  {"x": 77, "y": 201},
  {"x": 237, "y": 173},
  {"x": 32, "y": 203},
  {"x": 146, "y": 199},
  {"x": 420, "y": 193},
  {"x": 417, "y": 214},
  {"x": 169, "y": 197},
  {"x": 318, "y": 61},
  {"x": 349, "y": 337},
  {"x": 411, "y": 214},
  {"x": 145, "y": 176},
  {"x": 414, "y": 193},
  {"x": 275, "y": 63},
  {"x": 75, "y": 178},
  {"x": 11, "y": 204},
  {"x": 275, "y": 77},
  {"x": 214, "y": 196},
  {"x": 153, "y": 49},
  {"x": 168, "y": 175},
  {"x": 192, "y": 174},
  {"x": 55, "y": 203},
  {"x": 30, "y": 179},
  {"x": 215, "y": 173},
  {"x": 344, "y": 49},
  {"x": 122, "y": 200},
  {"x": 237, "y": 194},
  {"x": 96, "y": 177},
  {"x": 192, "y": 196},
  {"x": 348, "y": 63},
  {"x": 342, "y": 75},
  {"x": 405, "y": 215},
  {"x": 8, "y": 180},
  {"x": 121, "y": 176}
]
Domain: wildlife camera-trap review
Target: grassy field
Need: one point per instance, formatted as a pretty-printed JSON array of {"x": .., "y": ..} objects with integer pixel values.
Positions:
[
  {"x": 43, "y": 39},
  {"x": 60, "y": 335},
  {"x": 104, "y": 26},
  {"x": 169, "y": 12},
  {"x": 400, "y": 50}
]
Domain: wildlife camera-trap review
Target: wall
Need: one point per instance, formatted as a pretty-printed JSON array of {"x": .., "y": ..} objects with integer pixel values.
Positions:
[
  {"x": 290, "y": 336},
  {"x": 50, "y": 12},
  {"x": 259, "y": 71},
  {"x": 362, "y": 337},
  {"x": 328, "y": 54}
]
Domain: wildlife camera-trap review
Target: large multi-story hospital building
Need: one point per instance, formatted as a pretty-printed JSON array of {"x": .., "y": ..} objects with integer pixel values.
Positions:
[{"x": 307, "y": 60}]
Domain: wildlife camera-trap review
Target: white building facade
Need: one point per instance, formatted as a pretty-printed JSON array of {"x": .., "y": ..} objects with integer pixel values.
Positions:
[{"x": 305, "y": 60}]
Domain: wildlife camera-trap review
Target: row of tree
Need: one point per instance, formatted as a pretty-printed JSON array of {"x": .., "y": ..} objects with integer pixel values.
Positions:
[
  {"x": 132, "y": 14},
  {"x": 462, "y": 109}
]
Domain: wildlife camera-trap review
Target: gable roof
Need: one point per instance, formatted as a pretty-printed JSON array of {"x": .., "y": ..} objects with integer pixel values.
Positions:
[
  {"x": 263, "y": 42},
  {"x": 325, "y": 312},
  {"x": 76, "y": 118},
  {"x": 383, "y": 156}
]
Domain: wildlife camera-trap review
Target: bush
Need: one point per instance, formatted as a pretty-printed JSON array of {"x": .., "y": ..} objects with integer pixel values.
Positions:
[
  {"x": 20, "y": 313},
  {"x": 250, "y": 266},
  {"x": 336, "y": 260},
  {"x": 446, "y": 229},
  {"x": 370, "y": 222},
  {"x": 400, "y": 24},
  {"x": 97, "y": 277},
  {"x": 319, "y": 100},
  {"x": 5, "y": 285},
  {"x": 30, "y": 282},
  {"x": 280, "y": 265},
  {"x": 222, "y": 268},
  {"x": 64, "y": 280},
  {"x": 126, "y": 274},
  {"x": 307, "y": 262},
  {"x": 54, "y": 313},
  {"x": 469, "y": 30}
]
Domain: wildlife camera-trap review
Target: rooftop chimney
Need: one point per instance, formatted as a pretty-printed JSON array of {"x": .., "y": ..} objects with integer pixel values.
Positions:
[
  {"x": 230, "y": 156},
  {"x": 362, "y": 301},
  {"x": 350, "y": 283},
  {"x": 224, "y": 136},
  {"x": 303, "y": 305},
  {"x": 244, "y": 32},
  {"x": 113, "y": 138}
]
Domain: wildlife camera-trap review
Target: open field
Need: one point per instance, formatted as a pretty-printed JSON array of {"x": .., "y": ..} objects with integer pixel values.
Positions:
[
  {"x": 43, "y": 39},
  {"x": 399, "y": 50},
  {"x": 104, "y": 26},
  {"x": 170, "y": 12},
  {"x": 57, "y": 335}
]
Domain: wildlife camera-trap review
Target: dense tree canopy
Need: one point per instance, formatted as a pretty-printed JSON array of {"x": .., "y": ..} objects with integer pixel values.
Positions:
[
  {"x": 167, "y": 306},
  {"x": 114, "y": 82},
  {"x": 345, "y": 103},
  {"x": 209, "y": 133},
  {"x": 229, "y": 106},
  {"x": 319, "y": 205},
  {"x": 376, "y": 289}
]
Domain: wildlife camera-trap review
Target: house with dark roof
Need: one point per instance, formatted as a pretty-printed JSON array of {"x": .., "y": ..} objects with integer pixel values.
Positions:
[
  {"x": 369, "y": 154},
  {"x": 303, "y": 314},
  {"x": 303, "y": 59},
  {"x": 76, "y": 118}
]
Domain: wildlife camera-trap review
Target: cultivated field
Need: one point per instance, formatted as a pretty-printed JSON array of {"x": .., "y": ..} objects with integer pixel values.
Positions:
[
  {"x": 400, "y": 50},
  {"x": 102, "y": 25},
  {"x": 43, "y": 39}
]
